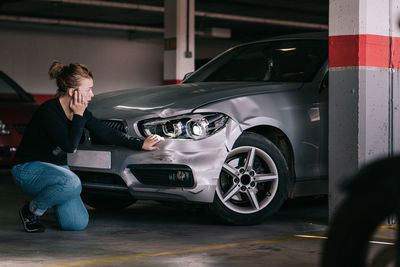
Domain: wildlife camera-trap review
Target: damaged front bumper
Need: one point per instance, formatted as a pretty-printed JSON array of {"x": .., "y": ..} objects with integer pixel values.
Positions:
[{"x": 183, "y": 169}]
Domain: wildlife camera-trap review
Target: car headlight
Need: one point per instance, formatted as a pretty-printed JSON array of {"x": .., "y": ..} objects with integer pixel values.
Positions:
[
  {"x": 3, "y": 128},
  {"x": 193, "y": 126}
]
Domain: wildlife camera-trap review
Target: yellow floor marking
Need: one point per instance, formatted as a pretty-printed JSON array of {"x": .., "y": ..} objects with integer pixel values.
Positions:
[
  {"x": 312, "y": 236},
  {"x": 385, "y": 228},
  {"x": 388, "y": 227},
  {"x": 173, "y": 252}
]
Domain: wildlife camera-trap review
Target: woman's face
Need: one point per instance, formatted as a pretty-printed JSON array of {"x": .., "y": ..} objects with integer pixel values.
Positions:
[{"x": 86, "y": 89}]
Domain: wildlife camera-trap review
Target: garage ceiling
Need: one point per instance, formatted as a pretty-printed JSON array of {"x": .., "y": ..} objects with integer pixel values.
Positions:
[{"x": 247, "y": 20}]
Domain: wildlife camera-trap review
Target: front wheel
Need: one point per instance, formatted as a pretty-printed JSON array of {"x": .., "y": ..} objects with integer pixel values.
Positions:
[{"x": 253, "y": 183}]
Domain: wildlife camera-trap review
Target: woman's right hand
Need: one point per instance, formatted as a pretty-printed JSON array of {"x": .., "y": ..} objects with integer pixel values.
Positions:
[
  {"x": 150, "y": 141},
  {"x": 78, "y": 104}
]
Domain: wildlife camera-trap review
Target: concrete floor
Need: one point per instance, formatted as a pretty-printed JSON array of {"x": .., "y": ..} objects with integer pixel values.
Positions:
[{"x": 154, "y": 234}]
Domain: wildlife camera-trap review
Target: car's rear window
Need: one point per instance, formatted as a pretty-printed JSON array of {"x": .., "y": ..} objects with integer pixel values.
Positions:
[
  {"x": 7, "y": 92},
  {"x": 277, "y": 61},
  {"x": 11, "y": 91}
]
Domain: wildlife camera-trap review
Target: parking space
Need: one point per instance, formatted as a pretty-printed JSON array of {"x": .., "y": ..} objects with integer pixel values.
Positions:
[{"x": 151, "y": 233}]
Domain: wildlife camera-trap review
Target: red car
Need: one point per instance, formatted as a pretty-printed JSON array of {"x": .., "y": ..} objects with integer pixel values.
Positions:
[{"x": 16, "y": 110}]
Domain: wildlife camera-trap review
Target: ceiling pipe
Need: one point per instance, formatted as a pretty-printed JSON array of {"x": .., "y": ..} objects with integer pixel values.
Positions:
[
  {"x": 97, "y": 25},
  {"x": 110, "y": 4},
  {"x": 63, "y": 22},
  {"x": 287, "y": 23},
  {"x": 279, "y": 22}
]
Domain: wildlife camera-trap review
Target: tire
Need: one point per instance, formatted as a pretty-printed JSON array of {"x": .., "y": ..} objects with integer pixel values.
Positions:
[
  {"x": 247, "y": 194},
  {"x": 373, "y": 195},
  {"x": 107, "y": 202}
]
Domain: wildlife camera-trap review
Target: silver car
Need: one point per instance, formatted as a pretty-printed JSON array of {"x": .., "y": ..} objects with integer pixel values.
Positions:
[{"x": 243, "y": 133}]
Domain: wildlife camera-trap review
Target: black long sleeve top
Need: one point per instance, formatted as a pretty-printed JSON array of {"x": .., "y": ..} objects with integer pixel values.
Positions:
[{"x": 50, "y": 135}]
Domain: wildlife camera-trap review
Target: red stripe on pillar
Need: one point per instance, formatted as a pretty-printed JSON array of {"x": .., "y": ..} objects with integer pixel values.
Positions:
[
  {"x": 374, "y": 50},
  {"x": 343, "y": 51},
  {"x": 359, "y": 50},
  {"x": 395, "y": 63},
  {"x": 166, "y": 82}
]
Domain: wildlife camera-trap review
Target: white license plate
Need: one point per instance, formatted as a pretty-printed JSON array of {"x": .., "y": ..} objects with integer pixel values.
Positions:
[{"x": 90, "y": 159}]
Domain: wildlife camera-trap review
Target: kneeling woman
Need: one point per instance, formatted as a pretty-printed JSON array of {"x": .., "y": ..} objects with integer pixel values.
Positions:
[{"x": 41, "y": 168}]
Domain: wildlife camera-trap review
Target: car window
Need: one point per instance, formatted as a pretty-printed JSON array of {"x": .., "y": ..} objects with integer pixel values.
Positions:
[
  {"x": 7, "y": 92},
  {"x": 325, "y": 82},
  {"x": 11, "y": 91},
  {"x": 288, "y": 60}
]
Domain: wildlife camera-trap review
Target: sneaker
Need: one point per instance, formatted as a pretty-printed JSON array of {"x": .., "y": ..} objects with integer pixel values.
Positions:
[{"x": 30, "y": 221}]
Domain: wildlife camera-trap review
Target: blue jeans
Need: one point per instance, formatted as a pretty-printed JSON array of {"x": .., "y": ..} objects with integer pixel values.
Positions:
[{"x": 53, "y": 186}]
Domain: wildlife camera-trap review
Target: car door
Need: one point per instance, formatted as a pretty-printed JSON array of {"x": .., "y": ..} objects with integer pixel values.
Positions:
[
  {"x": 314, "y": 124},
  {"x": 323, "y": 98}
]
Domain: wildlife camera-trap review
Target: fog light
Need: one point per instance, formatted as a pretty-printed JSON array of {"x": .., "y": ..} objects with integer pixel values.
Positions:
[
  {"x": 172, "y": 175},
  {"x": 178, "y": 176},
  {"x": 181, "y": 176}
]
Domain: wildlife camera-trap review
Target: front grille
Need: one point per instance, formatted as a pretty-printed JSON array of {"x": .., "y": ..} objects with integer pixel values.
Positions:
[
  {"x": 104, "y": 184},
  {"x": 172, "y": 175},
  {"x": 117, "y": 125},
  {"x": 100, "y": 178},
  {"x": 114, "y": 124},
  {"x": 20, "y": 128}
]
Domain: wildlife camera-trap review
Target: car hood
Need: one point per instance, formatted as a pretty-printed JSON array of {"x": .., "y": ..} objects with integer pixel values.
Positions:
[
  {"x": 171, "y": 100},
  {"x": 17, "y": 112}
]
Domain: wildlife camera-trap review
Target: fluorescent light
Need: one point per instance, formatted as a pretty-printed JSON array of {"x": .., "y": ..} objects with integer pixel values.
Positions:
[{"x": 287, "y": 49}]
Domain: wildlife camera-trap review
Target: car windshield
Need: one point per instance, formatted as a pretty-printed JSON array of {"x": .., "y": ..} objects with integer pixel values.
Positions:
[
  {"x": 275, "y": 61},
  {"x": 10, "y": 91}
]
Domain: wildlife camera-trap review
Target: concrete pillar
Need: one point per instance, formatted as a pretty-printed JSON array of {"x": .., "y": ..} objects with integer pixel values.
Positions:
[
  {"x": 179, "y": 39},
  {"x": 364, "y": 118}
]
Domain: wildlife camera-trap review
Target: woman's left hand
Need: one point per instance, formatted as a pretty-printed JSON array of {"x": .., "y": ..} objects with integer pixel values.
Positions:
[{"x": 149, "y": 142}]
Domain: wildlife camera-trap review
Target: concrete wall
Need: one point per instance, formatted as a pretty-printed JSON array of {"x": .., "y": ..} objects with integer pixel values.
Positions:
[
  {"x": 208, "y": 48},
  {"x": 116, "y": 61}
]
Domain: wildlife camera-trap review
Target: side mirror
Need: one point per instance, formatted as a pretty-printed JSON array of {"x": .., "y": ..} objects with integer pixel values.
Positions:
[{"x": 324, "y": 84}]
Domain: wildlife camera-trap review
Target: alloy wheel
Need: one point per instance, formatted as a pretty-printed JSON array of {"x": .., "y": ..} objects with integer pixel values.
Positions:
[{"x": 248, "y": 180}]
